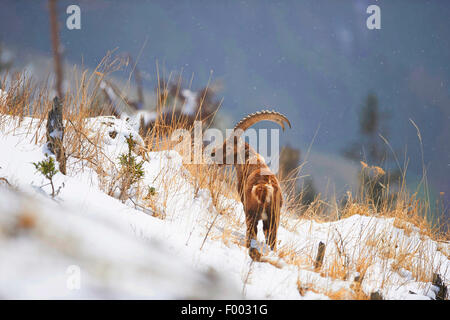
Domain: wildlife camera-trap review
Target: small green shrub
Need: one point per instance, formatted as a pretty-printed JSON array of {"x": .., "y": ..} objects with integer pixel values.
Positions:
[
  {"x": 151, "y": 191},
  {"x": 131, "y": 170},
  {"x": 48, "y": 169}
]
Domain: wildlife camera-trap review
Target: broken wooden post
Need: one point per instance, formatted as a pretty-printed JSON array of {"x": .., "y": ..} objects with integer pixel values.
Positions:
[
  {"x": 438, "y": 282},
  {"x": 55, "y": 134},
  {"x": 376, "y": 296},
  {"x": 319, "y": 257}
]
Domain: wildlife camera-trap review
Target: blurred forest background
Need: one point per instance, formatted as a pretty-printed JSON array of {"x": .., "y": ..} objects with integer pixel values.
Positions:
[{"x": 347, "y": 90}]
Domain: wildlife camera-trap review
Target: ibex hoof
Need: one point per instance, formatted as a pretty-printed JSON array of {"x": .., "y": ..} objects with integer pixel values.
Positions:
[{"x": 254, "y": 254}]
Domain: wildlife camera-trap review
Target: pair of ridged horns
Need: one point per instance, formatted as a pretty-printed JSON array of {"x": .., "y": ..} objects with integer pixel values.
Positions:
[{"x": 264, "y": 115}]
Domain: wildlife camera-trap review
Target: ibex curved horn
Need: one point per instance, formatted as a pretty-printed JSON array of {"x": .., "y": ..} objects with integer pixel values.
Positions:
[{"x": 256, "y": 117}]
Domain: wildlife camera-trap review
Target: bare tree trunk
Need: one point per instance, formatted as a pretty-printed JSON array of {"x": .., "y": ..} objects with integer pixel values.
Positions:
[
  {"x": 55, "y": 134},
  {"x": 56, "y": 47}
]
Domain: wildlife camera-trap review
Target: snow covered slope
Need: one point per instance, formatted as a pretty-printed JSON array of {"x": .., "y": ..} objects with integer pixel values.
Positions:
[{"x": 179, "y": 246}]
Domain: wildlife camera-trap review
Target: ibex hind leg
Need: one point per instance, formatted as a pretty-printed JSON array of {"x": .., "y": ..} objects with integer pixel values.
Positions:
[
  {"x": 270, "y": 227},
  {"x": 252, "y": 229}
]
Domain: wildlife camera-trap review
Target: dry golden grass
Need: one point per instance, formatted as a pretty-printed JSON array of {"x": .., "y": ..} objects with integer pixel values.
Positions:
[
  {"x": 357, "y": 292},
  {"x": 409, "y": 213}
]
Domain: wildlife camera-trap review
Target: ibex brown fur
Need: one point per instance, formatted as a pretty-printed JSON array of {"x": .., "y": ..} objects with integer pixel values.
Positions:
[{"x": 258, "y": 187}]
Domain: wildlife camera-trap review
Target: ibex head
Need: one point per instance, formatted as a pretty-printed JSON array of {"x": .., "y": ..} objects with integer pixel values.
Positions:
[{"x": 232, "y": 143}]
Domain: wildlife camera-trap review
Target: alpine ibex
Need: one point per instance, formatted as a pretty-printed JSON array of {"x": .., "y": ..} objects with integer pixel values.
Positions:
[{"x": 258, "y": 187}]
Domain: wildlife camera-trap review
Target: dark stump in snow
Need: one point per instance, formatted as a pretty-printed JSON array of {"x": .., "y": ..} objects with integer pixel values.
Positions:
[
  {"x": 437, "y": 281},
  {"x": 376, "y": 296},
  {"x": 319, "y": 258}
]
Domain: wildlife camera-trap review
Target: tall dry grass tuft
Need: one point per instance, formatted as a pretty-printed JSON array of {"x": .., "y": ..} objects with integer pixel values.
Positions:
[{"x": 27, "y": 98}]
